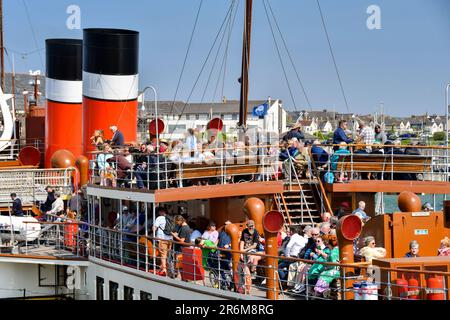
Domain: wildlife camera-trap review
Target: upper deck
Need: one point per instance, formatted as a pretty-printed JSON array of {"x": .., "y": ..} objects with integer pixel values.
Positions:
[{"x": 259, "y": 170}]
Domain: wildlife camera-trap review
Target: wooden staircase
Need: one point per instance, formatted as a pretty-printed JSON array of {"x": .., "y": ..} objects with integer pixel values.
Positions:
[{"x": 298, "y": 204}]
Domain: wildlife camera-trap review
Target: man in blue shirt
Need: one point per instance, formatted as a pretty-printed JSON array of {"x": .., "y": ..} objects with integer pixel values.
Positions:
[
  {"x": 360, "y": 212},
  {"x": 320, "y": 156},
  {"x": 117, "y": 139},
  {"x": 339, "y": 134}
]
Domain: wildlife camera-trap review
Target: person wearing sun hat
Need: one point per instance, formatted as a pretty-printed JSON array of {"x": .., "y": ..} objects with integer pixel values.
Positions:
[{"x": 295, "y": 132}]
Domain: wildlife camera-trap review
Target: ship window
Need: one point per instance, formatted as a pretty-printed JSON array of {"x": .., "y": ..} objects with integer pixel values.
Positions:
[
  {"x": 146, "y": 295},
  {"x": 234, "y": 116},
  {"x": 99, "y": 288},
  {"x": 113, "y": 290},
  {"x": 128, "y": 293}
]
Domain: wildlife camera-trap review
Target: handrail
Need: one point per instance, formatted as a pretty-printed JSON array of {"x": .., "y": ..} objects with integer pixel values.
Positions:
[
  {"x": 263, "y": 255},
  {"x": 286, "y": 209},
  {"x": 322, "y": 189}
]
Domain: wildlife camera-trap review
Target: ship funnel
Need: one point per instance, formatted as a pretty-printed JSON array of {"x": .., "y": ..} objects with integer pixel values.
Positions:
[
  {"x": 110, "y": 83},
  {"x": 63, "y": 129}
]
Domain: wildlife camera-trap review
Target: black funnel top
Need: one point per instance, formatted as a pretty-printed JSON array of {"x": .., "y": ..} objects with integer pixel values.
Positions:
[
  {"x": 111, "y": 51},
  {"x": 64, "y": 59}
]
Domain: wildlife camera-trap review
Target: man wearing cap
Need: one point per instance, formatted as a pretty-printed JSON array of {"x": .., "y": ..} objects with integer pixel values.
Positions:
[
  {"x": 249, "y": 243},
  {"x": 124, "y": 218},
  {"x": 117, "y": 139},
  {"x": 295, "y": 132}
]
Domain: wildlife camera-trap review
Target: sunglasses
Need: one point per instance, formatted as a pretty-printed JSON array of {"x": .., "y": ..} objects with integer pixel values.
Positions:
[
  {"x": 251, "y": 226},
  {"x": 314, "y": 234},
  {"x": 318, "y": 241},
  {"x": 372, "y": 243}
]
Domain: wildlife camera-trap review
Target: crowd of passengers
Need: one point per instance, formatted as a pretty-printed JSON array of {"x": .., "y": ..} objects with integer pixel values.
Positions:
[
  {"x": 121, "y": 165},
  {"x": 145, "y": 164},
  {"x": 315, "y": 244},
  {"x": 294, "y": 150}
]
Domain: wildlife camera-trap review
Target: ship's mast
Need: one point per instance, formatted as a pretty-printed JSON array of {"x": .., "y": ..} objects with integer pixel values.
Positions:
[
  {"x": 243, "y": 103},
  {"x": 2, "y": 49}
]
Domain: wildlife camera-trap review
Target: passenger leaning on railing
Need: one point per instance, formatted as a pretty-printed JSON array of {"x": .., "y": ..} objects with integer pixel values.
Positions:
[
  {"x": 209, "y": 258},
  {"x": 57, "y": 206},
  {"x": 181, "y": 234}
]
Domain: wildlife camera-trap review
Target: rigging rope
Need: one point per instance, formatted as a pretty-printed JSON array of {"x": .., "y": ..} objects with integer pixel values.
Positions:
[
  {"x": 202, "y": 68},
  {"x": 33, "y": 33},
  {"x": 216, "y": 56},
  {"x": 224, "y": 59},
  {"x": 289, "y": 55},
  {"x": 186, "y": 56},
  {"x": 332, "y": 56},
  {"x": 279, "y": 55},
  {"x": 226, "y": 50}
]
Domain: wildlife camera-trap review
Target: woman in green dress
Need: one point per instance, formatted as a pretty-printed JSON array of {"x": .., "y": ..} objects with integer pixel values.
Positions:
[{"x": 328, "y": 273}]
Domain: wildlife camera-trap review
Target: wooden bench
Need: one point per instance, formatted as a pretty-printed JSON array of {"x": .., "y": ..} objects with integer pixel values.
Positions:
[
  {"x": 397, "y": 163},
  {"x": 24, "y": 208},
  {"x": 14, "y": 165},
  {"x": 243, "y": 166}
]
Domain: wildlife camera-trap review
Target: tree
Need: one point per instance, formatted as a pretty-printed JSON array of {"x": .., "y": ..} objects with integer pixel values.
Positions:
[{"x": 439, "y": 136}]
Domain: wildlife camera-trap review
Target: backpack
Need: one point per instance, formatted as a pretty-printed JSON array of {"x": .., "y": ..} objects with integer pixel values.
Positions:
[
  {"x": 169, "y": 227},
  {"x": 328, "y": 177}
]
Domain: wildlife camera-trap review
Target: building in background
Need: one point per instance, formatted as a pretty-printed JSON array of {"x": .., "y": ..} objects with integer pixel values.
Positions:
[{"x": 183, "y": 116}]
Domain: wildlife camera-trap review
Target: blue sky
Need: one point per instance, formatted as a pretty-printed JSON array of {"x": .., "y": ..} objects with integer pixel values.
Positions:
[{"x": 405, "y": 65}]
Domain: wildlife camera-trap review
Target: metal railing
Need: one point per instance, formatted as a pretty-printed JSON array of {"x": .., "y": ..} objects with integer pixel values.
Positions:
[
  {"x": 163, "y": 170},
  {"x": 388, "y": 162},
  {"x": 29, "y": 184},
  {"x": 13, "y": 147},
  {"x": 288, "y": 279}
]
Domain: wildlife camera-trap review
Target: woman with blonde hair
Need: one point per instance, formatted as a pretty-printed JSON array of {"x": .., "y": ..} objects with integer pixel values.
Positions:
[
  {"x": 370, "y": 251},
  {"x": 97, "y": 138},
  {"x": 444, "y": 249}
]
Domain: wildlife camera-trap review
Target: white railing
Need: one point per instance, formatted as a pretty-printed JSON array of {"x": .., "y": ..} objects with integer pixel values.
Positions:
[{"x": 30, "y": 184}]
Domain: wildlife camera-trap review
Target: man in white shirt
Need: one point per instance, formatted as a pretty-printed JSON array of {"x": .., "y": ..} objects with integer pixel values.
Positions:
[
  {"x": 57, "y": 205},
  {"x": 163, "y": 246},
  {"x": 296, "y": 243},
  {"x": 191, "y": 142}
]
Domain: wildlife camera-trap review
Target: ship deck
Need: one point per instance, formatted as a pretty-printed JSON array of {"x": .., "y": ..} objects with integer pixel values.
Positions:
[
  {"x": 42, "y": 254},
  {"x": 394, "y": 186},
  {"x": 190, "y": 193}
]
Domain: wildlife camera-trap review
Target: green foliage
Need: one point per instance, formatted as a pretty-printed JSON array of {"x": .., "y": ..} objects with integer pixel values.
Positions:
[
  {"x": 439, "y": 136},
  {"x": 319, "y": 135},
  {"x": 406, "y": 142}
]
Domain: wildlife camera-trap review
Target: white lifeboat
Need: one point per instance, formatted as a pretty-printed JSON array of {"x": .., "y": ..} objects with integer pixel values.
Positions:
[{"x": 22, "y": 231}]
